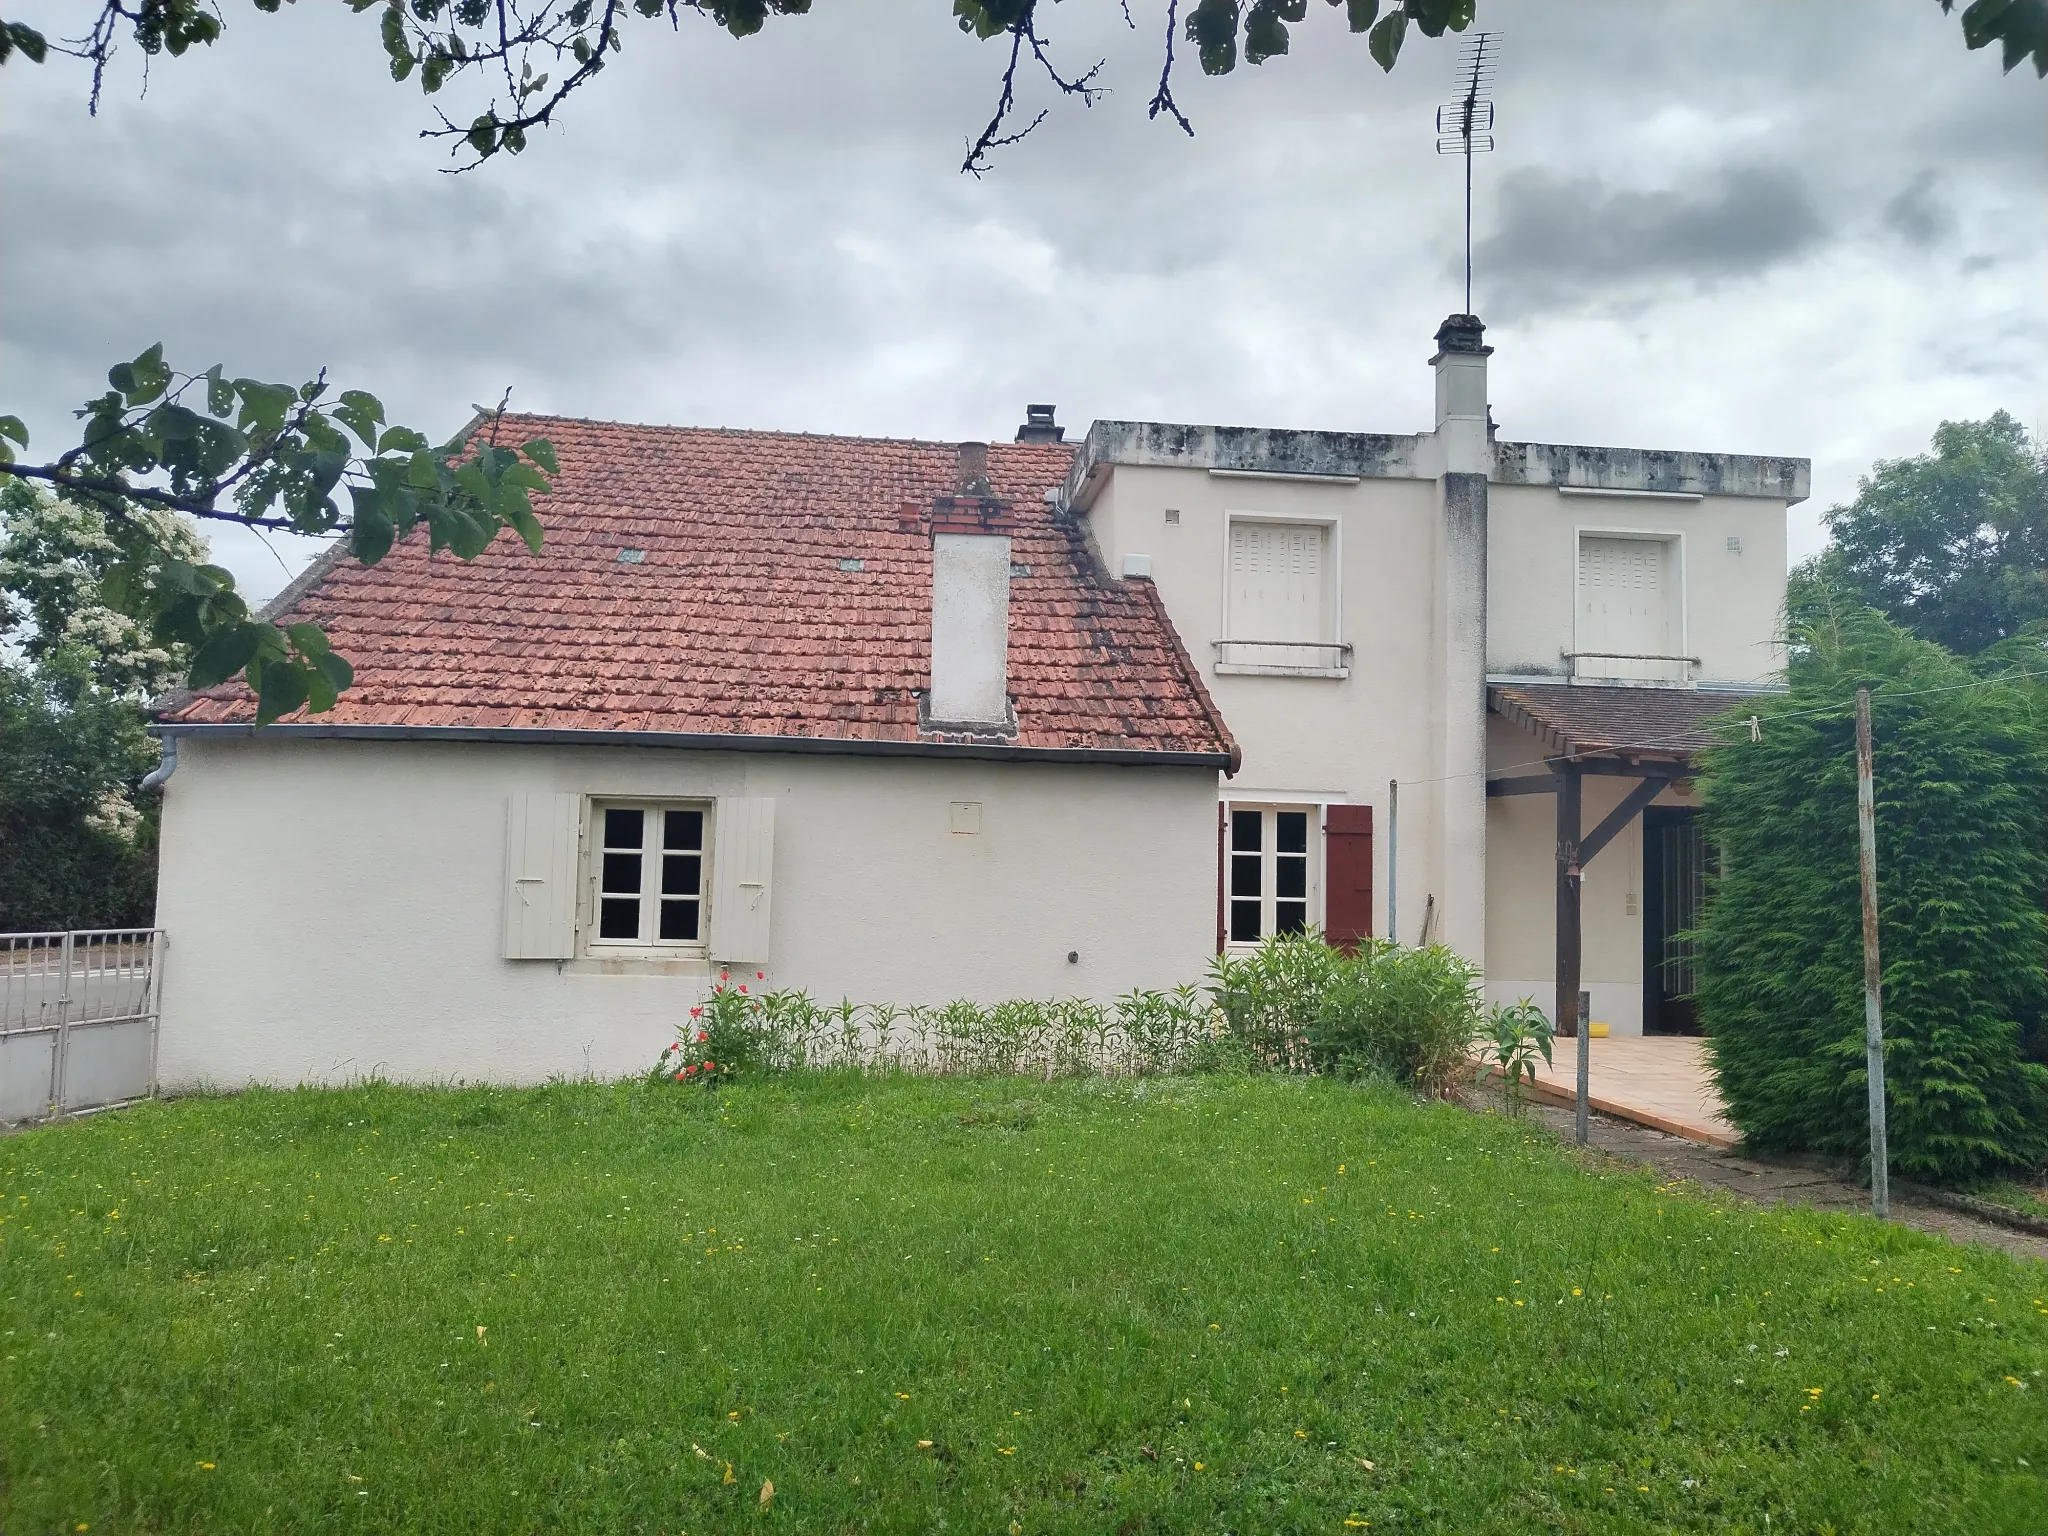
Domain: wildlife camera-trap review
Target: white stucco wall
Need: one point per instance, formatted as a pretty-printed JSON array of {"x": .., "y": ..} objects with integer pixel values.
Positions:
[
  {"x": 1338, "y": 739},
  {"x": 335, "y": 908},
  {"x": 1731, "y": 598},
  {"x": 970, "y": 627}
]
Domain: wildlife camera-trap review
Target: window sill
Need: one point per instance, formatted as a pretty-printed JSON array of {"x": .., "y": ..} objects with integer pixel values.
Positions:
[{"x": 1256, "y": 669}]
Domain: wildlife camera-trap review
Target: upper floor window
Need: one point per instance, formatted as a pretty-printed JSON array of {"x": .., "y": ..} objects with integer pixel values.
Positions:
[
  {"x": 1280, "y": 598},
  {"x": 650, "y": 874},
  {"x": 1629, "y": 624}
]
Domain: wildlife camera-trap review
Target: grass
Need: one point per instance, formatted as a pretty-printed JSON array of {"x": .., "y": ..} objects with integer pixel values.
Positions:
[
  {"x": 914, "y": 1305},
  {"x": 2029, "y": 1198}
]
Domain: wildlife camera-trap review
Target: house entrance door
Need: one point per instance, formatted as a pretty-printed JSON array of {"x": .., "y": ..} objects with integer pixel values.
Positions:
[{"x": 1674, "y": 893}]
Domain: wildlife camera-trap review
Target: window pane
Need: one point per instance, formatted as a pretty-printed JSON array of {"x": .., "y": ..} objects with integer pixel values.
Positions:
[
  {"x": 1244, "y": 874},
  {"x": 682, "y": 874},
  {"x": 619, "y": 919},
  {"x": 1290, "y": 916},
  {"x": 1247, "y": 831},
  {"x": 623, "y": 829},
  {"x": 679, "y": 919},
  {"x": 1290, "y": 878},
  {"x": 1244, "y": 922},
  {"x": 683, "y": 829},
  {"x": 1292, "y": 831},
  {"x": 622, "y": 872}
]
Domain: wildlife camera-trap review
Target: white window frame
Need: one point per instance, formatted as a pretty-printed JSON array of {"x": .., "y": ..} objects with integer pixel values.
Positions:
[
  {"x": 1675, "y": 541},
  {"x": 1269, "y": 857},
  {"x": 648, "y": 944},
  {"x": 1240, "y": 664}
]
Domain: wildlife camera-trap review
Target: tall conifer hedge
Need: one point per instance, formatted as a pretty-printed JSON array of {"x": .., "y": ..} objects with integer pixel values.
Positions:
[{"x": 1961, "y": 768}]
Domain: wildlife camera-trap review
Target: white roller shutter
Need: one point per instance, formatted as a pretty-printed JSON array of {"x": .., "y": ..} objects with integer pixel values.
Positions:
[
  {"x": 540, "y": 876},
  {"x": 742, "y": 880},
  {"x": 1626, "y": 606}
]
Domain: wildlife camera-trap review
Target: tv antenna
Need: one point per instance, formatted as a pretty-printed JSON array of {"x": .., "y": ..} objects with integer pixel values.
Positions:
[{"x": 1465, "y": 127}]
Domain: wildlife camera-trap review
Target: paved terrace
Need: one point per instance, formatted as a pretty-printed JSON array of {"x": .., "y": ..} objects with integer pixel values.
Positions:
[{"x": 1661, "y": 1081}]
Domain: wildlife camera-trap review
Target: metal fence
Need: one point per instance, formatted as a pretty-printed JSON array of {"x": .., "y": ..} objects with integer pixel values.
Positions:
[{"x": 78, "y": 1015}]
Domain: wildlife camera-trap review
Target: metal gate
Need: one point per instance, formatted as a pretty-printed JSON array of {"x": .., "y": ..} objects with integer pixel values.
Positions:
[{"x": 78, "y": 1015}]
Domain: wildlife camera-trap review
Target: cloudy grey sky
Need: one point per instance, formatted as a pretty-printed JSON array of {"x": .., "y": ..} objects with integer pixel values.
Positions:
[{"x": 1739, "y": 225}]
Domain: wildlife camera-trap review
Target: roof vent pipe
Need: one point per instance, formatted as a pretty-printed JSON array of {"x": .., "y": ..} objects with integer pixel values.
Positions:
[{"x": 1039, "y": 427}]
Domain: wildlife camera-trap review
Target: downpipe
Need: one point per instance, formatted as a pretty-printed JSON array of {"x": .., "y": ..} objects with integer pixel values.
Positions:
[{"x": 158, "y": 776}]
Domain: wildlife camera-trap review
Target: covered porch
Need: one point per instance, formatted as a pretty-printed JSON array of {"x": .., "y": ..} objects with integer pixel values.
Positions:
[{"x": 1596, "y": 871}]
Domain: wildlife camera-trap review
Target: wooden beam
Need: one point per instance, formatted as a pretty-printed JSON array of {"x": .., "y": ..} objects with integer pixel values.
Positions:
[
  {"x": 1522, "y": 784},
  {"x": 1621, "y": 768},
  {"x": 1568, "y": 926},
  {"x": 1631, "y": 806}
]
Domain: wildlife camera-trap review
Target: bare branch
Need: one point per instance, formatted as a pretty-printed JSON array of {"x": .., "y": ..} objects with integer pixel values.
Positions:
[
  {"x": 107, "y": 491},
  {"x": 1162, "y": 99}
]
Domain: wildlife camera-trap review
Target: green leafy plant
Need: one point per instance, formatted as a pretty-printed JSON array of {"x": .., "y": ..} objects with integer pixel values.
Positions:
[
  {"x": 1962, "y": 859},
  {"x": 266, "y": 456},
  {"x": 1408, "y": 1015},
  {"x": 1516, "y": 1034},
  {"x": 727, "y": 1035}
]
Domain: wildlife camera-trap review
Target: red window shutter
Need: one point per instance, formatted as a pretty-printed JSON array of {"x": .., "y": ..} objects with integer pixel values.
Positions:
[
  {"x": 1347, "y": 874},
  {"x": 1222, "y": 857}
]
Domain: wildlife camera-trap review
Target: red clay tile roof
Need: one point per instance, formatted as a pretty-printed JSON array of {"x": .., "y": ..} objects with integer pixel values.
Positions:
[
  {"x": 743, "y": 618},
  {"x": 1588, "y": 718}
]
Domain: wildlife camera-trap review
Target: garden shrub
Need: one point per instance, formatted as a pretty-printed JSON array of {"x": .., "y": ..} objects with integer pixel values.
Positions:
[
  {"x": 1962, "y": 854},
  {"x": 1294, "y": 1004},
  {"x": 1405, "y": 1014}
]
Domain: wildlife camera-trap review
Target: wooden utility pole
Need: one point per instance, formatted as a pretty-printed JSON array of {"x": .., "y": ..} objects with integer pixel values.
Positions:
[
  {"x": 1873, "y": 1000},
  {"x": 1568, "y": 833}
]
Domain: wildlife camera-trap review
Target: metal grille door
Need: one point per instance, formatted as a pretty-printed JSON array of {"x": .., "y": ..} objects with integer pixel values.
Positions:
[{"x": 78, "y": 1017}]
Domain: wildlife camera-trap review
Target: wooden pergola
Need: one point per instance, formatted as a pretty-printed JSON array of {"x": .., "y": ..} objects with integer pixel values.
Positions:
[{"x": 1647, "y": 734}]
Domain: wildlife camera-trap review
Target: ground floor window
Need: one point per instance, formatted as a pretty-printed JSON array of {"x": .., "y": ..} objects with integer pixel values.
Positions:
[
  {"x": 649, "y": 874},
  {"x": 1268, "y": 877}
]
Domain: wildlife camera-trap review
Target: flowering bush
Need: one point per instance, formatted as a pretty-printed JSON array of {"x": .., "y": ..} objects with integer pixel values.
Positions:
[{"x": 721, "y": 1038}]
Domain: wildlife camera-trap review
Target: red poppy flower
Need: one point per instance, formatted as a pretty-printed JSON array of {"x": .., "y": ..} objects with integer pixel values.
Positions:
[
  {"x": 743, "y": 986},
  {"x": 679, "y": 1077},
  {"x": 702, "y": 1036},
  {"x": 724, "y": 975},
  {"x": 760, "y": 975},
  {"x": 694, "y": 1012},
  {"x": 710, "y": 1066}
]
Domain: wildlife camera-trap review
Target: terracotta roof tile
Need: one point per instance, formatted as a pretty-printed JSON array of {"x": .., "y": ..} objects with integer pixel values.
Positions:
[
  {"x": 1577, "y": 718},
  {"x": 740, "y": 619}
]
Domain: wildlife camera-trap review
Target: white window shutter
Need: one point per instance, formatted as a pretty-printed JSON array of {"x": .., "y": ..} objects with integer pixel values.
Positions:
[
  {"x": 540, "y": 876},
  {"x": 742, "y": 880}
]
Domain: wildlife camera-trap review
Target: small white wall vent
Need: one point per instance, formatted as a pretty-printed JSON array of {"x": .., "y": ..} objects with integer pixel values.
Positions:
[
  {"x": 1173, "y": 517},
  {"x": 1138, "y": 565},
  {"x": 964, "y": 817},
  {"x": 1734, "y": 543}
]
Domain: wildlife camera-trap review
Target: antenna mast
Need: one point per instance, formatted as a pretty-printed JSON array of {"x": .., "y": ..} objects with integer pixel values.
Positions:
[{"x": 1465, "y": 127}]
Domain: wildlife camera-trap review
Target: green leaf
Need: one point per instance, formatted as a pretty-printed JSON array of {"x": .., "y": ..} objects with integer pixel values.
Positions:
[
  {"x": 371, "y": 530},
  {"x": 1212, "y": 28},
  {"x": 283, "y": 689},
  {"x": 362, "y": 413},
  {"x": 527, "y": 526},
  {"x": 11, "y": 426},
  {"x": 400, "y": 440},
  {"x": 1359, "y": 15},
  {"x": 226, "y": 652},
  {"x": 540, "y": 450},
  {"x": 220, "y": 395},
  {"x": 339, "y": 674},
  {"x": 1386, "y": 38},
  {"x": 147, "y": 377},
  {"x": 309, "y": 639}
]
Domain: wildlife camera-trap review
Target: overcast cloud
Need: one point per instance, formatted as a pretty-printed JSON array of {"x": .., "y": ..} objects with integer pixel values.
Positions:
[{"x": 1743, "y": 226}]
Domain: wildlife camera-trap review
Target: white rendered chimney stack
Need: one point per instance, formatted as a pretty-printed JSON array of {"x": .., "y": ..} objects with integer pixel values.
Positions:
[{"x": 970, "y": 682}]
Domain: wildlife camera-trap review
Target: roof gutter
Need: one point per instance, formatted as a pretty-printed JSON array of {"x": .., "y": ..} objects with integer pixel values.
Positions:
[{"x": 708, "y": 741}]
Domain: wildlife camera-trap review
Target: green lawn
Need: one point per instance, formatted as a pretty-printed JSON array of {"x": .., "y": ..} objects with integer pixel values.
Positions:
[{"x": 1196, "y": 1304}]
